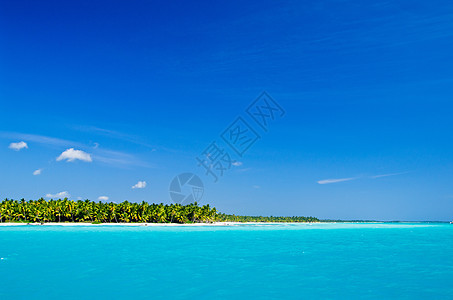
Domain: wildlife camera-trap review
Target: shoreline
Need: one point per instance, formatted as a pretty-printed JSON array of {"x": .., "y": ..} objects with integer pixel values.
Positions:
[
  {"x": 151, "y": 224},
  {"x": 81, "y": 224}
]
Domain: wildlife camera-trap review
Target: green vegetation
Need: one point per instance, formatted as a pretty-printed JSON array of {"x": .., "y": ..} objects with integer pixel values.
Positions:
[
  {"x": 348, "y": 221},
  {"x": 234, "y": 218},
  {"x": 99, "y": 212},
  {"x": 65, "y": 210}
]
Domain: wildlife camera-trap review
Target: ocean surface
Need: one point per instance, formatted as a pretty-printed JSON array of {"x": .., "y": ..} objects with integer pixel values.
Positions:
[{"x": 283, "y": 261}]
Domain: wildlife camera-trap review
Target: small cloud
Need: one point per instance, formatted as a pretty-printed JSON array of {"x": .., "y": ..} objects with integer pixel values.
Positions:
[
  {"x": 37, "y": 172},
  {"x": 243, "y": 170},
  {"x": 116, "y": 158},
  {"x": 72, "y": 155},
  {"x": 387, "y": 175},
  {"x": 79, "y": 198},
  {"x": 59, "y": 195},
  {"x": 103, "y": 198},
  {"x": 256, "y": 186},
  {"x": 96, "y": 145},
  {"x": 139, "y": 185},
  {"x": 237, "y": 163},
  {"x": 327, "y": 181},
  {"x": 18, "y": 146}
]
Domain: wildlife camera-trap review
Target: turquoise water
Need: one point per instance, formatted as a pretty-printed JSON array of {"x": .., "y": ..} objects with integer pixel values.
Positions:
[{"x": 294, "y": 261}]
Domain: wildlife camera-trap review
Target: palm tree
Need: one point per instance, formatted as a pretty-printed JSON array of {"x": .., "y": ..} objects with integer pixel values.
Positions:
[{"x": 83, "y": 211}]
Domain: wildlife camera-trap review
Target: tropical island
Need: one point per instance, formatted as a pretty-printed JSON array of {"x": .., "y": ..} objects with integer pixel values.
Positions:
[{"x": 65, "y": 211}]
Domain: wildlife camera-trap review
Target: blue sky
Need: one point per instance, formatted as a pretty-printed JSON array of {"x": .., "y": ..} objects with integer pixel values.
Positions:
[{"x": 138, "y": 90}]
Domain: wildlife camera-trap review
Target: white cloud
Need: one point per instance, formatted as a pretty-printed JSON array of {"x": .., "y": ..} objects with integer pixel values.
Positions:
[
  {"x": 327, "y": 181},
  {"x": 237, "y": 163},
  {"x": 335, "y": 180},
  {"x": 256, "y": 186},
  {"x": 59, "y": 195},
  {"x": 139, "y": 185},
  {"x": 243, "y": 170},
  {"x": 111, "y": 157},
  {"x": 387, "y": 175},
  {"x": 72, "y": 155},
  {"x": 18, "y": 146},
  {"x": 117, "y": 158},
  {"x": 37, "y": 172},
  {"x": 39, "y": 139},
  {"x": 114, "y": 134},
  {"x": 103, "y": 198}
]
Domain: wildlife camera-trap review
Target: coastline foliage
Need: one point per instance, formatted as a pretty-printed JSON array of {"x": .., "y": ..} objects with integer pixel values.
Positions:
[
  {"x": 64, "y": 210},
  {"x": 234, "y": 218}
]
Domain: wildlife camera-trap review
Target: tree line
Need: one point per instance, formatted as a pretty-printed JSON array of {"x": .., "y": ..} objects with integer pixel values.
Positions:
[
  {"x": 234, "y": 218},
  {"x": 64, "y": 210}
]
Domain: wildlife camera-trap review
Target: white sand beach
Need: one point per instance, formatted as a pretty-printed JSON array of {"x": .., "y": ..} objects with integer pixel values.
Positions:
[{"x": 128, "y": 224}]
